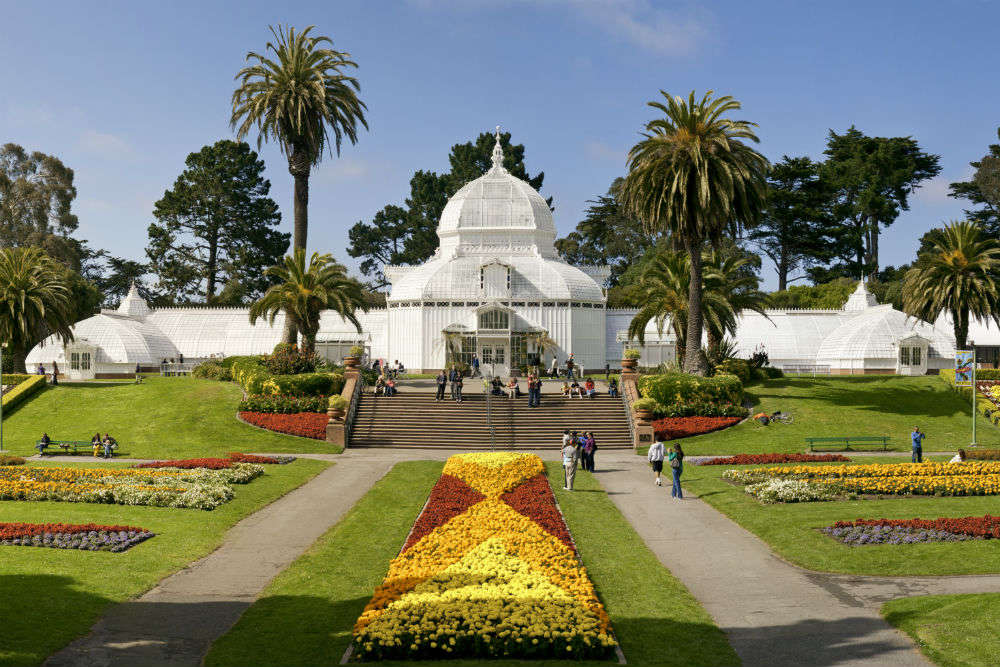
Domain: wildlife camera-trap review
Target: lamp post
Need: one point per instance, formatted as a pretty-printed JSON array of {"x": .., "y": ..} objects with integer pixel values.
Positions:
[{"x": 1, "y": 398}]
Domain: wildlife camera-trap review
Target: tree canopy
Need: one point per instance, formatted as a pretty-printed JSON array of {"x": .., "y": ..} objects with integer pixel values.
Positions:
[
  {"x": 871, "y": 179},
  {"x": 216, "y": 227},
  {"x": 408, "y": 234},
  {"x": 794, "y": 230},
  {"x": 983, "y": 191}
]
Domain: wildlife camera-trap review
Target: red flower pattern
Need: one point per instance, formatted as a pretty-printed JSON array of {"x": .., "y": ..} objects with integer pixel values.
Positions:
[
  {"x": 534, "y": 500},
  {"x": 9, "y": 531},
  {"x": 748, "y": 459},
  {"x": 188, "y": 464},
  {"x": 672, "y": 428},
  {"x": 449, "y": 498},
  {"x": 977, "y": 526},
  {"x": 303, "y": 424}
]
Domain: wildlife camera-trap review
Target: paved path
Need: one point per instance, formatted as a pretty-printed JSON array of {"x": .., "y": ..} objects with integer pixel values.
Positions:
[
  {"x": 175, "y": 623},
  {"x": 774, "y": 613}
]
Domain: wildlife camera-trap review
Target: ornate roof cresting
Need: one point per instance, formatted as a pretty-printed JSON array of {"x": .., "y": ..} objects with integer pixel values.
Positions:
[{"x": 497, "y": 155}]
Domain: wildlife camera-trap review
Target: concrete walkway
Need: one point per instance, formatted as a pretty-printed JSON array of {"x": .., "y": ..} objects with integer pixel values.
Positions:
[
  {"x": 774, "y": 613},
  {"x": 175, "y": 623}
]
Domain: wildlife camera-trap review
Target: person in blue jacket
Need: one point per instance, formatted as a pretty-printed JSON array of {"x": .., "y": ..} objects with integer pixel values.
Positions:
[{"x": 917, "y": 438}]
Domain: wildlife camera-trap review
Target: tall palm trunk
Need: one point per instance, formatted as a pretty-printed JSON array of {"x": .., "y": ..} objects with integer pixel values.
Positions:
[
  {"x": 694, "y": 361},
  {"x": 960, "y": 321},
  {"x": 299, "y": 164},
  {"x": 18, "y": 354}
]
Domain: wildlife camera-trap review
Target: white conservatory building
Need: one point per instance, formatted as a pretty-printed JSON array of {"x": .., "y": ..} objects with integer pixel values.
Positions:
[{"x": 494, "y": 285}]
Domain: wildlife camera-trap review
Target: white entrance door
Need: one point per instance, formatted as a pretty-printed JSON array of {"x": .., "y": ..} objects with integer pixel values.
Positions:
[{"x": 495, "y": 359}]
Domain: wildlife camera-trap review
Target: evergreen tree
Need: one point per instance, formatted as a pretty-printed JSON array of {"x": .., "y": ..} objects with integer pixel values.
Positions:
[
  {"x": 216, "y": 226},
  {"x": 983, "y": 191}
]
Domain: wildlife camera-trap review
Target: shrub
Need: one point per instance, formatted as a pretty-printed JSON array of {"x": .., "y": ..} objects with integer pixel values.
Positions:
[
  {"x": 287, "y": 359},
  {"x": 23, "y": 391},
  {"x": 670, "y": 389},
  {"x": 305, "y": 384},
  {"x": 356, "y": 351},
  {"x": 772, "y": 373},
  {"x": 700, "y": 409},
  {"x": 249, "y": 373},
  {"x": 632, "y": 353},
  {"x": 213, "y": 370},
  {"x": 6, "y": 460},
  {"x": 338, "y": 402},
  {"x": 644, "y": 404},
  {"x": 732, "y": 366},
  {"x": 283, "y": 404}
]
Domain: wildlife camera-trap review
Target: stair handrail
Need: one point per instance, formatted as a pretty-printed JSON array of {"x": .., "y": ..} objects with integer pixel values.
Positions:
[
  {"x": 626, "y": 403},
  {"x": 488, "y": 393},
  {"x": 353, "y": 410}
]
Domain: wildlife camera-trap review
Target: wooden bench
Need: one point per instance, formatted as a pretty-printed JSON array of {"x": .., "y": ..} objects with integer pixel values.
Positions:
[
  {"x": 843, "y": 443},
  {"x": 68, "y": 445}
]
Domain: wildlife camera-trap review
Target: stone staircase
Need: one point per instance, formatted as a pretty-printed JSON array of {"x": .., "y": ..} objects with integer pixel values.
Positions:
[{"x": 417, "y": 420}]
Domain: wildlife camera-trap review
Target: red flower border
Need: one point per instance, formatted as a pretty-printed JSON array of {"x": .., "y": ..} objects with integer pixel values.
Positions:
[
  {"x": 9, "y": 531},
  {"x": 756, "y": 459},
  {"x": 303, "y": 424},
  {"x": 977, "y": 526},
  {"x": 672, "y": 428}
]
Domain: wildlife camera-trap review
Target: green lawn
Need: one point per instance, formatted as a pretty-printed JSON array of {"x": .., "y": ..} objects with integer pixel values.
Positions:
[
  {"x": 841, "y": 406},
  {"x": 952, "y": 630},
  {"x": 306, "y": 614},
  {"x": 174, "y": 417},
  {"x": 791, "y": 529},
  {"x": 51, "y": 596}
]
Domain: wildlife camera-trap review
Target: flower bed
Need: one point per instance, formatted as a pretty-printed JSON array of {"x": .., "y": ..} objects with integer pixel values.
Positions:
[
  {"x": 942, "y": 479},
  {"x": 671, "y": 428},
  {"x": 758, "y": 459},
  {"x": 189, "y": 464},
  {"x": 240, "y": 457},
  {"x": 911, "y": 531},
  {"x": 85, "y": 537},
  {"x": 169, "y": 487},
  {"x": 488, "y": 571},
  {"x": 303, "y": 424}
]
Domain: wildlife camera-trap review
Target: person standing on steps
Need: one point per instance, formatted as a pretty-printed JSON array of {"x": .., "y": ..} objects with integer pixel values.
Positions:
[
  {"x": 474, "y": 365},
  {"x": 442, "y": 382},
  {"x": 457, "y": 385},
  {"x": 452, "y": 379},
  {"x": 554, "y": 369},
  {"x": 676, "y": 459},
  {"x": 655, "y": 457},
  {"x": 570, "y": 458},
  {"x": 917, "y": 438},
  {"x": 570, "y": 362}
]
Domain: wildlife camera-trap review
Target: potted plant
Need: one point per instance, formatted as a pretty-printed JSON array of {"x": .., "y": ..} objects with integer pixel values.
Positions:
[
  {"x": 631, "y": 359},
  {"x": 354, "y": 356},
  {"x": 643, "y": 409},
  {"x": 337, "y": 408}
]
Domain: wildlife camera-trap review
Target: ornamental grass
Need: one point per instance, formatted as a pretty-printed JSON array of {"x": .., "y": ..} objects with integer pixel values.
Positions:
[{"x": 488, "y": 571}]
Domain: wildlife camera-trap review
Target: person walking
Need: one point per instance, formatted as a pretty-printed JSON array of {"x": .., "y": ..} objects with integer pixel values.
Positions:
[
  {"x": 676, "y": 459},
  {"x": 589, "y": 449},
  {"x": 442, "y": 382},
  {"x": 534, "y": 391},
  {"x": 655, "y": 457},
  {"x": 474, "y": 364},
  {"x": 917, "y": 440},
  {"x": 570, "y": 458},
  {"x": 554, "y": 369},
  {"x": 570, "y": 362}
]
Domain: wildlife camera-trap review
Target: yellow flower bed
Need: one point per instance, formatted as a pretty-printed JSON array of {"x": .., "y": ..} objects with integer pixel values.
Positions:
[
  {"x": 488, "y": 582},
  {"x": 885, "y": 470}
]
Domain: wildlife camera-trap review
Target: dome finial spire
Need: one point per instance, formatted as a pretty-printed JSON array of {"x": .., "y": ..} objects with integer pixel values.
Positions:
[{"x": 497, "y": 153}]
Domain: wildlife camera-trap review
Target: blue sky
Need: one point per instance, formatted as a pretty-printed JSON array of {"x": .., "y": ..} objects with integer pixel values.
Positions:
[{"x": 122, "y": 92}]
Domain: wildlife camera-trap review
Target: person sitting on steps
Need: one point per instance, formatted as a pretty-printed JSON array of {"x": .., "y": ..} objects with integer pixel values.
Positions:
[
  {"x": 613, "y": 388},
  {"x": 590, "y": 388},
  {"x": 565, "y": 389},
  {"x": 575, "y": 389}
]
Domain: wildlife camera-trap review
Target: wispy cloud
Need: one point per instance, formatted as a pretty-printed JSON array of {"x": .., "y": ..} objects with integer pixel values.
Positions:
[
  {"x": 599, "y": 150},
  {"x": 641, "y": 23},
  {"x": 935, "y": 190},
  {"x": 105, "y": 145},
  {"x": 345, "y": 169}
]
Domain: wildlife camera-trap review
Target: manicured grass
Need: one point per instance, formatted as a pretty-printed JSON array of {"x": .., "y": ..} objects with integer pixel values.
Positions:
[
  {"x": 51, "y": 596},
  {"x": 843, "y": 406},
  {"x": 952, "y": 630},
  {"x": 172, "y": 417},
  {"x": 792, "y": 529},
  {"x": 306, "y": 615}
]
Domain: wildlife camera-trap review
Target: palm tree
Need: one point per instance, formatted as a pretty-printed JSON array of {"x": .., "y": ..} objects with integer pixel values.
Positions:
[
  {"x": 34, "y": 301},
  {"x": 738, "y": 288},
  {"x": 693, "y": 176},
  {"x": 958, "y": 276},
  {"x": 302, "y": 99},
  {"x": 543, "y": 343},
  {"x": 302, "y": 293}
]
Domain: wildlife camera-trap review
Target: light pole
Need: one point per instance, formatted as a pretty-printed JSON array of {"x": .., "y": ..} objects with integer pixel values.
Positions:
[{"x": 1, "y": 398}]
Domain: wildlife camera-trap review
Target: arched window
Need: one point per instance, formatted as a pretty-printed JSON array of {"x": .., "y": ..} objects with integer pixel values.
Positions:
[
  {"x": 494, "y": 280},
  {"x": 494, "y": 319}
]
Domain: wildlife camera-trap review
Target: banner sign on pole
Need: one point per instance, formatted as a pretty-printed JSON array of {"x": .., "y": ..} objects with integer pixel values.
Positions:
[{"x": 963, "y": 368}]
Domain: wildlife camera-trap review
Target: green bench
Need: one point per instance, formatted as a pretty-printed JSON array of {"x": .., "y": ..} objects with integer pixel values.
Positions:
[
  {"x": 67, "y": 446},
  {"x": 843, "y": 443}
]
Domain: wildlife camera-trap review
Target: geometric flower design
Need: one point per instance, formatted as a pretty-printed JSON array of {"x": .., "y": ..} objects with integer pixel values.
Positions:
[{"x": 489, "y": 570}]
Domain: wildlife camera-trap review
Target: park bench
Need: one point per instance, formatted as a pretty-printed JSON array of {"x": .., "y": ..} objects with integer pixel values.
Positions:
[
  {"x": 66, "y": 446},
  {"x": 843, "y": 443}
]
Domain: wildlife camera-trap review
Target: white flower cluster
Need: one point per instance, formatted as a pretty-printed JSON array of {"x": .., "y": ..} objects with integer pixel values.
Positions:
[{"x": 790, "y": 491}]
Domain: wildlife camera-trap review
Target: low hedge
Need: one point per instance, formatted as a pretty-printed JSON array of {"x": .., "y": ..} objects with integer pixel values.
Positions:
[
  {"x": 251, "y": 374},
  {"x": 287, "y": 405},
  {"x": 22, "y": 391},
  {"x": 16, "y": 378},
  {"x": 672, "y": 388},
  {"x": 738, "y": 367}
]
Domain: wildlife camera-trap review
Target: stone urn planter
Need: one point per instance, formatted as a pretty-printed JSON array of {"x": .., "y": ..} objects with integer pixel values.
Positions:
[
  {"x": 629, "y": 364},
  {"x": 643, "y": 410},
  {"x": 337, "y": 409},
  {"x": 351, "y": 362},
  {"x": 643, "y": 415}
]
